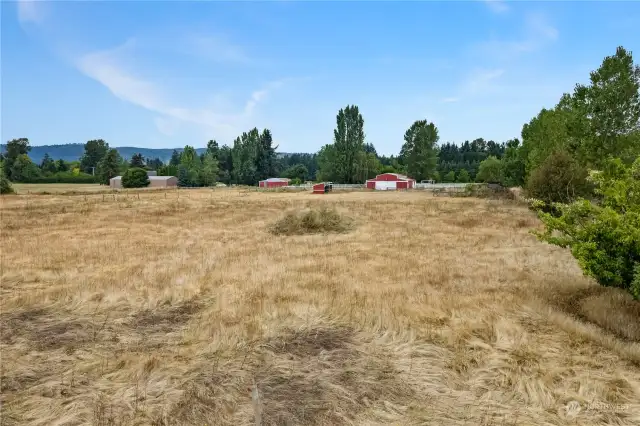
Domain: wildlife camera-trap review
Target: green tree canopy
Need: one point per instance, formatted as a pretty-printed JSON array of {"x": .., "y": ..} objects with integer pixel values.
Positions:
[
  {"x": 94, "y": 150},
  {"x": 135, "y": 178},
  {"x": 463, "y": 176},
  {"x": 47, "y": 165},
  {"x": 23, "y": 169},
  {"x": 610, "y": 105},
  {"x": 490, "y": 171},
  {"x": 175, "y": 158},
  {"x": 348, "y": 140},
  {"x": 449, "y": 177},
  {"x": 297, "y": 171},
  {"x": 109, "y": 166},
  {"x": 419, "y": 150},
  {"x": 558, "y": 179},
  {"x": 209, "y": 171},
  {"x": 137, "y": 161},
  {"x": 604, "y": 237}
]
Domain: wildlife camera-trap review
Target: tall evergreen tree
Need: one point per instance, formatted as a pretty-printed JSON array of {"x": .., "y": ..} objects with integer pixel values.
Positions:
[
  {"x": 348, "y": 138},
  {"x": 266, "y": 159},
  {"x": 61, "y": 166},
  {"x": 419, "y": 150},
  {"x": 108, "y": 167},
  {"x": 137, "y": 161},
  {"x": 175, "y": 158},
  {"x": 245, "y": 151},
  {"x": 48, "y": 165},
  {"x": 213, "y": 148}
]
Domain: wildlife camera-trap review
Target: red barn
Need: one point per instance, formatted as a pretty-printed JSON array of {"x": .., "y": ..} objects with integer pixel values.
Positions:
[
  {"x": 391, "y": 181},
  {"x": 322, "y": 188},
  {"x": 273, "y": 183}
]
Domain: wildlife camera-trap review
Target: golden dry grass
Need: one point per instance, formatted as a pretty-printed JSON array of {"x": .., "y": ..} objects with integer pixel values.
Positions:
[
  {"x": 182, "y": 311},
  {"x": 57, "y": 188}
]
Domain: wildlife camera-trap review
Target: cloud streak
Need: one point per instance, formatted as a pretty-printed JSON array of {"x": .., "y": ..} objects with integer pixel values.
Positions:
[
  {"x": 214, "y": 48},
  {"x": 497, "y": 6},
  {"x": 538, "y": 33},
  {"x": 109, "y": 69},
  {"x": 113, "y": 68},
  {"x": 30, "y": 11}
]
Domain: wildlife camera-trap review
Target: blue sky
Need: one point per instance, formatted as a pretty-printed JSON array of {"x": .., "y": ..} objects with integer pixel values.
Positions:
[{"x": 164, "y": 74}]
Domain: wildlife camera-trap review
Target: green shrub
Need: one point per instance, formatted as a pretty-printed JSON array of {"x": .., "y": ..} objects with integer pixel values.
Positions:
[
  {"x": 604, "y": 236},
  {"x": 135, "y": 178},
  {"x": 559, "y": 179},
  {"x": 490, "y": 170},
  {"x": 5, "y": 185},
  {"x": 313, "y": 221}
]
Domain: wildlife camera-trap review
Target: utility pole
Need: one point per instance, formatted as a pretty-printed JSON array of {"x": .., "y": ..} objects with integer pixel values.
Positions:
[{"x": 93, "y": 171}]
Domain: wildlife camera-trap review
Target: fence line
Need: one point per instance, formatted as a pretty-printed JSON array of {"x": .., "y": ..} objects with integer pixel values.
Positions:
[{"x": 442, "y": 185}]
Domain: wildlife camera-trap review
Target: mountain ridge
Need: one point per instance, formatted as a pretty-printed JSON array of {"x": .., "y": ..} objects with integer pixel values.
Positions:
[{"x": 74, "y": 151}]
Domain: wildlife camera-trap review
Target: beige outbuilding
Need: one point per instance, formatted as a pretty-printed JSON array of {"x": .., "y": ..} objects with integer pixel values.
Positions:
[{"x": 154, "y": 182}]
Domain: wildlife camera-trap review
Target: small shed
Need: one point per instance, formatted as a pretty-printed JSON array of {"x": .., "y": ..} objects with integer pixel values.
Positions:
[
  {"x": 163, "y": 181},
  {"x": 154, "y": 182},
  {"x": 273, "y": 183},
  {"x": 391, "y": 181},
  {"x": 322, "y": 188}
]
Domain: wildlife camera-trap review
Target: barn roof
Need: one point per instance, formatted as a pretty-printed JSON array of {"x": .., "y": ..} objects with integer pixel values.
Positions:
[
  {"x": 397, "y": 175},
  {"x": 150, "y": 177},
  {"x": 275, "y": 180}
]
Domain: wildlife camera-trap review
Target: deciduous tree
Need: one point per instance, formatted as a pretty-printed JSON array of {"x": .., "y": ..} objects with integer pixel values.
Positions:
[
  {"x": 463, "y": 176},
  {"x": 419, "y": 150},
  {"x": 94, "y": 150},
  {"x": 209, "y": 172},
  {"x": 135, "y": 178},
  {"x": 604, "y": 237},
  {"x": 108, "y": 167},
  {"x": 297, "y": 171},
  {"x": 490, "y": 171},
  {"x": 23, "y": 169},
  {"x": 611, "y": 107}
]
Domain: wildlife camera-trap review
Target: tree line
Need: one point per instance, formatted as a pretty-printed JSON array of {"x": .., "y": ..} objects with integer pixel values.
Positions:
[{"x": 583, "y": 129}]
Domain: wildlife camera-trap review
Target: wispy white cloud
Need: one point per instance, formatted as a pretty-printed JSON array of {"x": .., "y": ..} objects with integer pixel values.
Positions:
[
  {"x": 497, "y": 6},
  {"x": 110, "y": 69},
  {"x": 215, "y": 48},
  {"x": 167, "y": 125},
  {"x": 478, "y": 82},
  {"x": 537, "y": 34},
  {"x": 30, "y": 11},
  {"x": 481, "y": 79}
]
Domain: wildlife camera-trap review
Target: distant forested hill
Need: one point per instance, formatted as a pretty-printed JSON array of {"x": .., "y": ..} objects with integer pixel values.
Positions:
[{"x": 73, "y": 151}]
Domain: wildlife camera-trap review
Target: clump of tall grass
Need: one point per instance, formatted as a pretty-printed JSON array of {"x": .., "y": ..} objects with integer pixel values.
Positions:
[{"x": 312, "y": 221}]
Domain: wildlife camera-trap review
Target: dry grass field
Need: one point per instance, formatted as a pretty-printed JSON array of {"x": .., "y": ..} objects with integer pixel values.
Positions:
[
  {"x": 158, "y": 310},
  {"x": 57, "y": 188}
]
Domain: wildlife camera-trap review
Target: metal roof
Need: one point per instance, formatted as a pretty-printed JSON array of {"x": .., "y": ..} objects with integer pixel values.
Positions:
[
  {"x": 275, "y": 180},
  {"x": 150, "y": 177}
]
